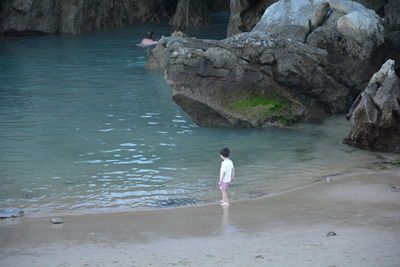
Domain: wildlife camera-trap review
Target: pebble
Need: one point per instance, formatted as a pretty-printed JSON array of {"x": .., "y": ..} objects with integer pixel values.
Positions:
[
  {"x": 57, "y": 221},
  {"x": 331, "y": 233}
]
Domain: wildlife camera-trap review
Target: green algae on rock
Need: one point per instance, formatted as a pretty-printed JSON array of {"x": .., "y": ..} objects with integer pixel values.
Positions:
[{"x": 265, "y": 108}]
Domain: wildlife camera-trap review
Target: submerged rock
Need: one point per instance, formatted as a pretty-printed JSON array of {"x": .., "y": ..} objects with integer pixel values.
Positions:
[
  {"x": 288, "y": 68},
  {"x": 375, "y": 115},
  {"x": 10, "y": 213},
  {"x": 176, "y": 202}
]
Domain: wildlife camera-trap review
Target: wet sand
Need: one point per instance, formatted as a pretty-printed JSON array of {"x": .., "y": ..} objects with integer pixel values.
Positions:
[{"x": 287, "y": 229}]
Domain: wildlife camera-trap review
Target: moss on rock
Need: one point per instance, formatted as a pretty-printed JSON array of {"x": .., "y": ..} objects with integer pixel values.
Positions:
[{"x": 265, "y": 108}]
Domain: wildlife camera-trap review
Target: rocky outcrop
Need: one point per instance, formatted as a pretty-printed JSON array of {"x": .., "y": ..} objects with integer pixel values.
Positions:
[
  {"x": 375, "y": 115},
  {"x": 303, "y": 60},
  {"x": 245, "y": 14},
  {"x": 22, "y": 17},
  {"x": 190, "y": 13}
]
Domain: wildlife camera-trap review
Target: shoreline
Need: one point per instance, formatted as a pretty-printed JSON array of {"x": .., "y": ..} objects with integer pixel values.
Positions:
[
  {"x": 287, "y": 229},
  {"x": 337, "y": 176},
  {"x": 320, "y": 179}
]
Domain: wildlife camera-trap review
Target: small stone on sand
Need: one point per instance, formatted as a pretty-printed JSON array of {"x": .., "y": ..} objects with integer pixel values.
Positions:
[{"x": 57, "y": 221}]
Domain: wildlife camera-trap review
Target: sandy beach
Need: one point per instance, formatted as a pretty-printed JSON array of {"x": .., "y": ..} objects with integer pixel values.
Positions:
[{"x": 287, "y": 229}]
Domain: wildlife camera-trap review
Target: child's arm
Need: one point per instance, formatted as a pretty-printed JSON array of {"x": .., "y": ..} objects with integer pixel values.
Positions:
[{"x": 233, "y": 175}]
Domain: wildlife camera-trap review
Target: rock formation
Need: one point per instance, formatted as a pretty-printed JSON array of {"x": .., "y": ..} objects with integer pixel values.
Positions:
[
  {"x": 26, "y": 17},
  {"x": 375, "y": 115},
  {"x": 190, "y": 13},
  {"x": 245, "y": 14},
  {"x": 22, "y": 17},
  {"x": 303, "y": 60}
]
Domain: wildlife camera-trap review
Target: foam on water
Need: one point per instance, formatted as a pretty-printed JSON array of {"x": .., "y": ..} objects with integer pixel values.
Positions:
[{"x": 84, "y": 126}]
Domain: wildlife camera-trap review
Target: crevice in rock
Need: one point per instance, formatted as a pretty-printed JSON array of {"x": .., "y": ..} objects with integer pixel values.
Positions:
[
  {"x": 311, "y": 28},
  {"x": 378, "y": 109}
]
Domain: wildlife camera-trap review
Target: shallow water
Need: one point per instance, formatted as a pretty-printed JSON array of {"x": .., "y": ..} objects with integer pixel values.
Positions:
[{"x": 84, "y": 126}]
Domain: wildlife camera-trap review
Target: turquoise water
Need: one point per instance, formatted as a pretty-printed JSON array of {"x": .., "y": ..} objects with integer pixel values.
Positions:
[{"x": 84, "y": 126}]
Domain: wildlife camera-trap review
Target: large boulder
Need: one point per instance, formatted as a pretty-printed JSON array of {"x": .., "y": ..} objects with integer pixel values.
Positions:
[
  {"x": 303, "y": 60},
  {"x": 375, "y": 115}
]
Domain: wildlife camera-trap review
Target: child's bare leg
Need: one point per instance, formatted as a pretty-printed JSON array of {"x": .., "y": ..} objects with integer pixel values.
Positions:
[{"x": 225, "y": 200}]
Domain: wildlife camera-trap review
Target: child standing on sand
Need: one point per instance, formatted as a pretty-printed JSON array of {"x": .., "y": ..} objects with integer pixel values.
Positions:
[{"x": 226, "y": 175}]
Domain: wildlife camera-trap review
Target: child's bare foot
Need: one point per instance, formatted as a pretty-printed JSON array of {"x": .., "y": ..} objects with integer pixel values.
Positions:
[{"x": 225, "y": 204}]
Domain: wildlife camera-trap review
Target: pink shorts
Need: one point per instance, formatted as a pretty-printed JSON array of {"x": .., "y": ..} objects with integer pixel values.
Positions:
[{"x": 223, "y": 186}]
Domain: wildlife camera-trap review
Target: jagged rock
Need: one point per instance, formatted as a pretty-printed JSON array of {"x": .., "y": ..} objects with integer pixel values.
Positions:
[
  {"x": 10, "y": 213},
  {"x": 190, "y": 13},
  {"x": 245, "y": 14},
  {"x": 375, "y": 115},
  {"x": 305, "y": 63}
]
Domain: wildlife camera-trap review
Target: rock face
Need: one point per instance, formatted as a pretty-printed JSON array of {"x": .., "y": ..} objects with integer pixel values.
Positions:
[
  {"x": 26, "y": 17},
  {"x": 194, "y": 13},
  {"x": 303, "y": 60},
  {"x": 375, "y": 115},
  {"x": 22, "y": 17},
  {"x": 392, "y": 23},
  {"x": 245, "y": 14},
  {"x": 190, "y": 13}
]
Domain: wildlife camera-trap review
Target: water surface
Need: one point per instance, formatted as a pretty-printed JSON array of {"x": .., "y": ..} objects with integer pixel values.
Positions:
[{"x": 84, "y": 126}]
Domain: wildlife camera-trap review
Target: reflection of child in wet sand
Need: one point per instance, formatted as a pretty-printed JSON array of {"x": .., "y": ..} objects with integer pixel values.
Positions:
[
  {"x": 149, "y": 39},
  {"x": 226, "y": 175}
]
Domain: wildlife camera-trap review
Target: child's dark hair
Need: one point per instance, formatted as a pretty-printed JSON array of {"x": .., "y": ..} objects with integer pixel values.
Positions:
[{"x": 224, "y": 152}]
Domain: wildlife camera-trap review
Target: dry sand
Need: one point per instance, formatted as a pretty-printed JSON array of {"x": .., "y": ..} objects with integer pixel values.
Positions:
[{"x": 288, "y": 229}]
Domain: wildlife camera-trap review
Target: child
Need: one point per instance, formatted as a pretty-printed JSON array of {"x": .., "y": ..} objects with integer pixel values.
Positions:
[{"x": 226, "y": 175}]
